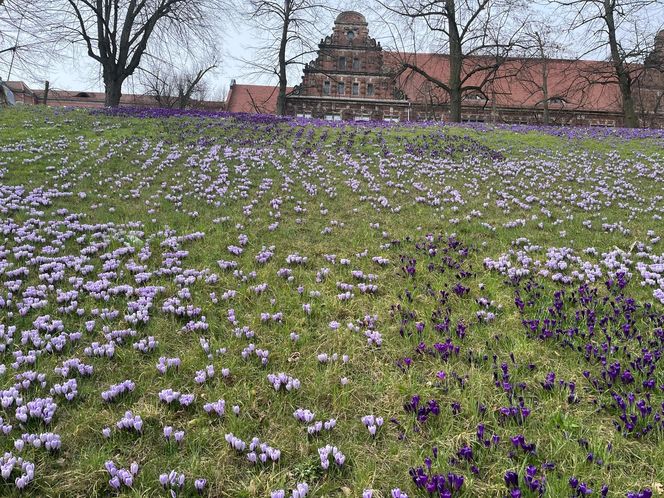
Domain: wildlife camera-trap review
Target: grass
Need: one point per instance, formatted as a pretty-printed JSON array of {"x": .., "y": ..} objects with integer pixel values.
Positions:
[{"x": 148, "y": 180}]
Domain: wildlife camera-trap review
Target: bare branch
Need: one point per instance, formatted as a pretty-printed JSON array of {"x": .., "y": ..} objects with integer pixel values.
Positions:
[
  {"x": 623, "y": 32},
  {"x": 121, "y": 34},
  {"x": 290, "y": 26},
  {"x": 478, "y": 36}
]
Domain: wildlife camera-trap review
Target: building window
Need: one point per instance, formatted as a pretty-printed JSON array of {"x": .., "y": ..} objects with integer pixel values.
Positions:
[
  {"x": 356, "y": 64},
  {"x": 370, "y": 89},
  {"x": 350, "y": 35},
  {"x": 356, "y": 88},
  {"x": 476, "y": 96},
  {"x": 341, "y": 88},
  {"x": 326, "y": 88},
  {"x": 342, "y": 63},
  {"x": 332, "y": 117},
  {"x": 473, "y": 119}
]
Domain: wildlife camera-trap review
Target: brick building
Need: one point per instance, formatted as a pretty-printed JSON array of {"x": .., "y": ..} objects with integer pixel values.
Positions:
[
  {"x": 253, "y": 99},
  {"x": 353, "y": 78},
  {"x": 349, "y": 79},
  {"x": 92, "y": 100}
]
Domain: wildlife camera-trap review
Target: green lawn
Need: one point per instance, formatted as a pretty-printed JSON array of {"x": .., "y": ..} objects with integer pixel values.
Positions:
[{"x": 420, "y": 243}]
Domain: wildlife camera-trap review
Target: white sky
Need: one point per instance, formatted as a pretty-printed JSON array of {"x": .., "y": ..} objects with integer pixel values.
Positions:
[
  {"x": 77, "y": 71},
  {"x": 80, "y": 72}
]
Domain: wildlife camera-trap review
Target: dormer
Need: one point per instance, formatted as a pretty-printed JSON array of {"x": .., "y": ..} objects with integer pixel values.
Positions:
[
  {"x": 474, "y": 97},
  {"x": 557, "y": 101}
]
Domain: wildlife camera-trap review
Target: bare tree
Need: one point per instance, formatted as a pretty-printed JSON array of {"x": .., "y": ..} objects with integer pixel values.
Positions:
[
  {"x": 541, "y": 49},
  {"x": 429, "y": 98},
  {"x": 477, "y": 34},
  {"x": 541, "y": 45},
  {"x": 291, "y": 26},
  {"x": 624, "y": 30},
  {"x": 24, "y": 46},
  {"x": 118, "y": 34},
  {"x": 173, "y": 88}
]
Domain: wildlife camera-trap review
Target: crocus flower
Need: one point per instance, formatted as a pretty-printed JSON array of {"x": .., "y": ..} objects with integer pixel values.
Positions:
[{"x": 199, "y": 485}]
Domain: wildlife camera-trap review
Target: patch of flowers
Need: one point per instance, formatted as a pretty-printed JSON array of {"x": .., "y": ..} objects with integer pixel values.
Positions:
[
  {"x": 120, "y": 477},
  {"x": 283, "y": 381},
  {"x": 216, "y": 241},
  {"x": 332, "y": 454}
]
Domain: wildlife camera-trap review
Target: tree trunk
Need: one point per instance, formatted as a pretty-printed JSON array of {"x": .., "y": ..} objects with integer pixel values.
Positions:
[
  {"x": 456, "y": 62},
  {"x": 283, "y": 79},
  {"x": 629, "y": 112},
  {"x": 455, "y": 97},
  {"x": 113, "y": 90},
  {"x": 631, "y": 120},
  {"x": 47, "y": 85},
  {"x": 547, "y": 117},
  {"x": 545, "y": 88},
  {"x": 281, "y": 98}
]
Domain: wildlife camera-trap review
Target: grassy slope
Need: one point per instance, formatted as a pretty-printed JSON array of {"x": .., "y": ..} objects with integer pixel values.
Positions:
[{"x": 376, "y": 385}]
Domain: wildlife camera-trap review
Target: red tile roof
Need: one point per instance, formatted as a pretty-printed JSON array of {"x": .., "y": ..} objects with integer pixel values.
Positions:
[
  {"x": 21, "y": 92},
  {"x": 254, "y": 99},
  {"x": 17, "y": 86},
  {"x": 574, "y": 84},
  {"x": 581, "y": 85}
]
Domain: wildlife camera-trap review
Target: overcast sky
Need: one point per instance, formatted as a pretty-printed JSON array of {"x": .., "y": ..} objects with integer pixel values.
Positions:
[
  {"x": 80, "y": 72},
  {"x": 77, "y": 71}
]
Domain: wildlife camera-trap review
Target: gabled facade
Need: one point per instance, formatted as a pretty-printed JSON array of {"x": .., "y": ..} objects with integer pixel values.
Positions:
[{"x": 349, "y": 79}]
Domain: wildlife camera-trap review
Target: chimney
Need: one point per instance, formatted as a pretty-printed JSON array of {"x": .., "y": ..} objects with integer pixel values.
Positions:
[{"x": 233, "y": 83}]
